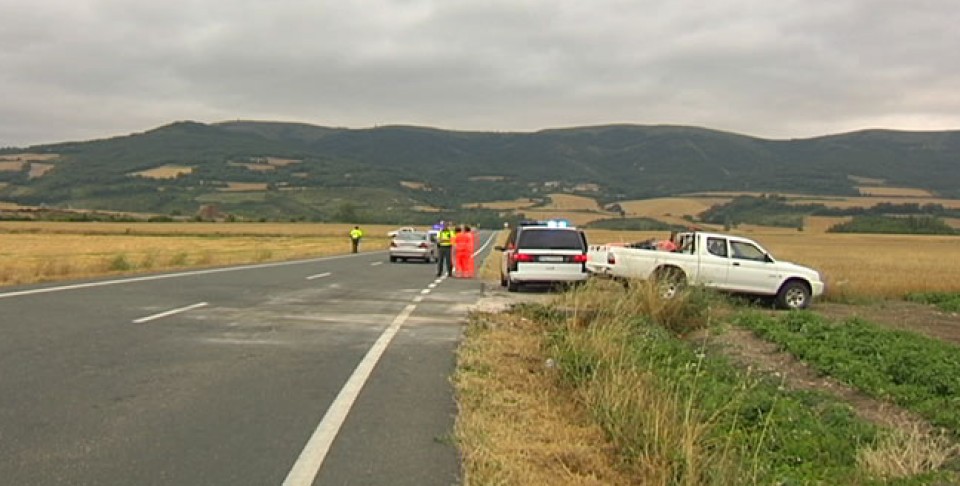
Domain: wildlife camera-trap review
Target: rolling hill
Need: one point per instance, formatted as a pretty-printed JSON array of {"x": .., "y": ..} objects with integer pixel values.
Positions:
[{"x": 273, "y": 170}]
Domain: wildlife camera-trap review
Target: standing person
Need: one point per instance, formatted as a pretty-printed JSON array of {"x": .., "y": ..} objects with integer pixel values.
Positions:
[
  {"x": 461, "y": 245},
  {"x": 444, "y": 243},
  {"x": 355, "y": 235},
  {"x": 470, "y": 241}
]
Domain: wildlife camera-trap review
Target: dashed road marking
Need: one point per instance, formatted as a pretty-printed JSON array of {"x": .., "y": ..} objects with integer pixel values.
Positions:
[{"x": 169, "y": 313}]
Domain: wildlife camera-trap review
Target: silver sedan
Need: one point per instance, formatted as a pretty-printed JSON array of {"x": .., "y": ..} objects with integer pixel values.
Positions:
[{"x": 416, "y": 245}]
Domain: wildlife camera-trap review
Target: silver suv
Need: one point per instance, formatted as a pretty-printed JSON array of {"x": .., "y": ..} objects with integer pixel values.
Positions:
[{"x": 538, "y": 253}]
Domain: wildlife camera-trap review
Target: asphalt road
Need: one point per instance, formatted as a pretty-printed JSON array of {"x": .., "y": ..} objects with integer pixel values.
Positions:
[{"x": 328, "y": 371}]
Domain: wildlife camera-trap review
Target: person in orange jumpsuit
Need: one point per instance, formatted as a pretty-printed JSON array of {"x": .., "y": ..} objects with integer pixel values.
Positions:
[
  {"x": 461, "y": 246},
  {"x": 465, "y": 246}
]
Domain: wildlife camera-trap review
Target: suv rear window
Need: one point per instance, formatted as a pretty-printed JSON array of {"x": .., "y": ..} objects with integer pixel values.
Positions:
[{"x": 551, "y": 239}]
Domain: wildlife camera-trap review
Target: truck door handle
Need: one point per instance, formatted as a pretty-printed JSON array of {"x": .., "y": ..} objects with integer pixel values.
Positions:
[{"x": 736, "y": 264}]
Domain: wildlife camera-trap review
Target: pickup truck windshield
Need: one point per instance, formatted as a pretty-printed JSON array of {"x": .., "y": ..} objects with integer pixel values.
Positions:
[{"x": 549, "y": 239}]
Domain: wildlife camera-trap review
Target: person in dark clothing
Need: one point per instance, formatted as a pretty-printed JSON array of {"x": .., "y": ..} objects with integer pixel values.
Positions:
[{"x": 444, "y": 250}]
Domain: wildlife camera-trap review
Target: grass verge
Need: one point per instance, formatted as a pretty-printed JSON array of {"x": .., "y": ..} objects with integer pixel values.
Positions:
[{"x": 669, "y": 411}]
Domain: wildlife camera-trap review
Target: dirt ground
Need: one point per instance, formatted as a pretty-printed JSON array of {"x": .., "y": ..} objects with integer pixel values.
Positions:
[{"x": 908, "y": 316}]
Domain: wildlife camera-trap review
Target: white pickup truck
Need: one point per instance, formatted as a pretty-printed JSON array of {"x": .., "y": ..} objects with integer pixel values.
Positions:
[{"x": 724, "y": 262}]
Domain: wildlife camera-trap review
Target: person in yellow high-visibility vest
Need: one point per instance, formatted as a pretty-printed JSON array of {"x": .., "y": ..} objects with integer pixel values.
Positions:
[
  {"x": 355, "y": 235},
  {"x": 444, "y": 250}
]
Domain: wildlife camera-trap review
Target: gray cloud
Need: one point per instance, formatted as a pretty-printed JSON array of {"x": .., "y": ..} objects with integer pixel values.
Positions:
[{"x": 793, "y": 68}]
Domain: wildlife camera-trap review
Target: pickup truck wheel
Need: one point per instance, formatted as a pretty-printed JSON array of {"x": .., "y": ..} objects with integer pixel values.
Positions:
[
  {"x": 793, "y": 295},
  {"x": 670, "y": 282}
]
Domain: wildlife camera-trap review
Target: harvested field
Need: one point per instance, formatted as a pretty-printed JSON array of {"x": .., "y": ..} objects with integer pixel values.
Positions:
[
  {"x": 244, "y": 187},
  {"x": 168, "y": 171},
  {"x": 253, "y": 167},
  {"x": 897, "y": 192},
  {"x": 38, "y": 169},
  {"x": 44, "y": 251},
  {"x": 414, "y": 185},
  {"x": 515, "y": 204},
  {"x": 568, "y": 202},
  {"x": 11, "y": 165},
  {"x": 670, "y": 209},
  {"x": 854, "y": 266}
]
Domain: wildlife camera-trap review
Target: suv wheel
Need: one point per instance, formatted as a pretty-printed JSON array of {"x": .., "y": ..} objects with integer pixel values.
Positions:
[{"x": 512, "y": 286}]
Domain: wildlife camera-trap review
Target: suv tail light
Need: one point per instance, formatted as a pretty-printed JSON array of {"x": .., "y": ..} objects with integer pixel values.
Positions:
[
  {"x": 578, "y": 259},
  {"x": 523, "y": 257}
]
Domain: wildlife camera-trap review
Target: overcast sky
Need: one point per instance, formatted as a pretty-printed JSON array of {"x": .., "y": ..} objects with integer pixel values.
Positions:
[{"x": 84, "y": 69}]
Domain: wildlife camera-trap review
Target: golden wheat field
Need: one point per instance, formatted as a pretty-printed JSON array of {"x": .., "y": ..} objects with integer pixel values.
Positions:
[
  {"x": 45, "y": 251},
  {"x": 853, "y": 265},
  {"x": 169, "y": 171}
]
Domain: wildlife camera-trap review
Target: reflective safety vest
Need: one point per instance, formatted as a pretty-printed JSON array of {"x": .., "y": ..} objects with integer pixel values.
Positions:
[
  {"x": 355, "y": 234},
  {"x": 445, "y": 238}
]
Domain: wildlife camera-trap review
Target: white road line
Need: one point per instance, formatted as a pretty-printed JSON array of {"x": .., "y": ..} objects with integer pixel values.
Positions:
[
  {"x": 148, "y": 278},
  {"x": 373, "y": 264},
  {"x": 169, "y": 313},
  {"x": 319, "y": 275},
  {"x": 311, "y": 458},
  {"x": 425, "y": 291},
  {"x": 418, "y": 299},
  {"x": 489, "y": 239}
]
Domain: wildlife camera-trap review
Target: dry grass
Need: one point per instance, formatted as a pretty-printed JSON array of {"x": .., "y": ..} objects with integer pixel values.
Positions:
[
  {"x": 44, "y": 251},
  {"x": 906, "y": 453},
  {"x": 670, "y": 209},
  {"x": 279, "y": 162},
  {"x": 254, "y": 167},
  {"x": 900, "y": 196},
  {"x": 575, "y": 217},
  {"x": 28, "y": 157},
  {"x": 244, "y": 186},
  {"x": 884, "y": 266},
  {"x": 516, "y": 204},
  {"x": 413, "y": 184},
  {"x": 169, "y": 171},
  {"x": 38, "y": 169},
  {"x": 514, "y": 426},
  {"x": 853, "y": 265},
  {"x": 570, "y": 202},
  {"x": 893, "y": 191},
  {"x": 11, "y": 165}
]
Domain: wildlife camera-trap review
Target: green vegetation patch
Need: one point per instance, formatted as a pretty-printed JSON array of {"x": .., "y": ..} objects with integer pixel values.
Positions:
[
  {"x": 917, "y": 225},
  {"x": 695, "y": 416},
  {"x": 916, "y": 372},
  {"x": 946, "y": 301}
]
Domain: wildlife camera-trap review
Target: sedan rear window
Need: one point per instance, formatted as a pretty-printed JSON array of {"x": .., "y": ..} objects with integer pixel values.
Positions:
[
  {"x": 549, "y": 239},
  {"x": 411, "y": 236}
]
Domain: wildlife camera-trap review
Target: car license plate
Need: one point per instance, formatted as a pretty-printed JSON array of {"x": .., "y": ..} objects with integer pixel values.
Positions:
[{"x": 551, "y": 259}]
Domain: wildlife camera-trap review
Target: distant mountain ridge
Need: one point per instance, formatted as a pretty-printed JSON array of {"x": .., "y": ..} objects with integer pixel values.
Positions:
[{"x": 386, "y": 171}]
